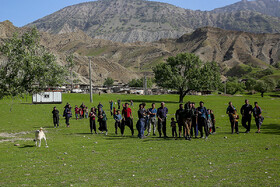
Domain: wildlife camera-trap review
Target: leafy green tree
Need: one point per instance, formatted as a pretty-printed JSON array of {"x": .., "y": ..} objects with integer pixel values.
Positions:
[
  {"x": 250, "y": 84},
  {"x": 186, "y": 72},
  {"x": 140, "y": 83},
  {"x": 27, "y": 67},
  {"x": 109, "y": 82},
  {"x": 263, "y": 73},
  {"x": 264, "y": 86},
  {"x": 233, "y": 86}
]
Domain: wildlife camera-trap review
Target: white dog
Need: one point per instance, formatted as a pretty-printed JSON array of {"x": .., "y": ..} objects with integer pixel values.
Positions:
[{"x": 39, "y": 135}]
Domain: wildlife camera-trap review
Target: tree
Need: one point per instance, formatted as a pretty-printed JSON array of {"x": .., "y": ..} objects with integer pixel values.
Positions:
[
  {"x": 27, "y": 67},
  {"x": 70, "y": 65},
  {"x": 185, "y": 72},
  {"x": 140, "y": 83},
  {"x": 233, "y": 86},
  {"x": 264, "y": 86},
  {"x": 108, "y": 82},
  {"x": 250, "y": 84}
]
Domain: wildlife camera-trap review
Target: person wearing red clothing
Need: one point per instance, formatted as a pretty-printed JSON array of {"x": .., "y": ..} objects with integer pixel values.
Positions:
[
  {"x": 77, "y": 112},
  {"x": 127, "y": 117},
  {"x": 92, "y": 124}
]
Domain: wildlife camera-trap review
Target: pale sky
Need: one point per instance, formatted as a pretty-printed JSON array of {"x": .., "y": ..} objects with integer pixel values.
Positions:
[{"x": 22, "y": 12}]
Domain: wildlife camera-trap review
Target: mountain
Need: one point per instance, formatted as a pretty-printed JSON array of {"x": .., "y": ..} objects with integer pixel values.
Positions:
[
  {"x": 141, "y": 20},
  {"x": 266, "y": 7},
  {"x": 233, "y": 50}
]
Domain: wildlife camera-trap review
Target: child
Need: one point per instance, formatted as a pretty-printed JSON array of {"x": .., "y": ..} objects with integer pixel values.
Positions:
[
  {"x": 235, "y": 117},
  {"x": 209, "y": 122},
  {"x": 86, "y": 112},
  {"x": 173, "y": 125},
  {"x": 118, "y": 118}
]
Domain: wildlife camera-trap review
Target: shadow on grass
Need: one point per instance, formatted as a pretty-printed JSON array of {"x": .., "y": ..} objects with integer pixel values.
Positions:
[
  {"x": 148, "y": 101},
  {"x": 271, "y": 129},
  {"x": 274, "y": 96},
  {"x": 26, "y": 146},
  {"x": 45, "y": 127},
  {"x": 147, "y": 139},
  {"x": 84, "y": 133}
]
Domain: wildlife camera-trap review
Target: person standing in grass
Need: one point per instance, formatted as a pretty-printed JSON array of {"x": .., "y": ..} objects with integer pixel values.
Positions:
[
  {"x": 257, "y": 113},
  {"x": 77, "y": 112},
  {"x": 194, "y": 128},
  {"x": 209, "y": 122},
  {"x": 187, "y": 120},
  {"x": 67, "y": 114},
  {"x": 127, "y": 117},
  {"x": 119, "y": 104},
  {"x": 162, "y": 115},
  {"x": 81, "y": 110},
  {"x": 131, "y": 103},
  {"x": 235, "y": 118},
  {"x": 230, "y": 112},
  {"x": 246, "y": 112},
  {"x": 213, "y": 121},
  {"x": 102, "y": 119},
  {"x": 202, "y": 119},
  {"x": 152, "y": 119},
  {"x": 111, "y": 106},
  {"x": 86, "y": 112},
  {"x": 173, "y": 126},
  {"x": 55, "y": 113},
  {"x": 179, "y": 118},
  {"x": 142, "y": 121},
  {"x": 82, "y": 107},
  {"x": 118, "y": 119},
  {"x": 92, "y": 123}
]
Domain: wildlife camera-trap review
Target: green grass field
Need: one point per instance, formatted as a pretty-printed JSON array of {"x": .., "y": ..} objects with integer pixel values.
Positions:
[{"x": 76, "y": 158}]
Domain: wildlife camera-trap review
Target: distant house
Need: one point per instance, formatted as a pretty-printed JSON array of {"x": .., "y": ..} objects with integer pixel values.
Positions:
[{"x": 47, "y": 98}]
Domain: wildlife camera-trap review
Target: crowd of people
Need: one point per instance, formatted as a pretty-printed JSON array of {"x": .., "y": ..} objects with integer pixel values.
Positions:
[{"x": 190, "y": 120}]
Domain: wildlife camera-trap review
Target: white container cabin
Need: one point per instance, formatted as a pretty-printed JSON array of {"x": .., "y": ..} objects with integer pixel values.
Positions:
[{"x": 47, "y": 98}]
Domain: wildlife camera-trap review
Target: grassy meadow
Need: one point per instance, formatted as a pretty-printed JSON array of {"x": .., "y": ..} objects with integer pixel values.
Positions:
[{"x": 76, "y": 158}]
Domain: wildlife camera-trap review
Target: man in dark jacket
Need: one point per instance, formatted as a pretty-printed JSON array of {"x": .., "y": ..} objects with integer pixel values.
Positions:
[
  {"x": 67, "y": 114},
  {"x": 257, "y": 113},
  {"x": 179, "y": 118},
  {"x": 162, "y": 114},
  {"x": 230, "y": 111},
  {"x": 55, "y": 113},
  {"x": 202, "y": 119},
  {"x": 246, "y": 112}
]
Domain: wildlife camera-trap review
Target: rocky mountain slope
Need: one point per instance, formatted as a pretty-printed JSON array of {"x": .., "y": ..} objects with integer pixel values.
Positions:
[
  {"x": 140, "y": 20},
  {"x": 125, "y": 61},
  {"x": 267, "y": 7}
]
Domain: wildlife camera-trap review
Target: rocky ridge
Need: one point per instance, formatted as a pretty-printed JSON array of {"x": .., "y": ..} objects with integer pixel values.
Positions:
[{"x": 140, "y": 20}]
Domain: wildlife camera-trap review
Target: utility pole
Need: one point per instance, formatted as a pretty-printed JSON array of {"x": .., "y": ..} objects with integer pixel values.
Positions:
[
  {"x": 145, "y": 84},
  {"x": 90, "y": 82}
]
